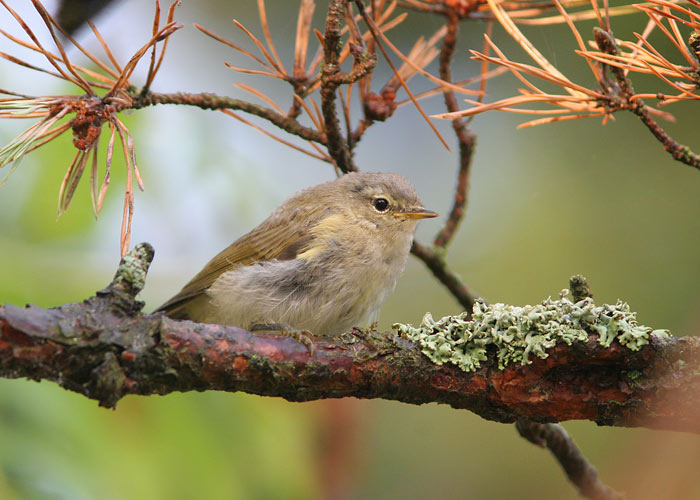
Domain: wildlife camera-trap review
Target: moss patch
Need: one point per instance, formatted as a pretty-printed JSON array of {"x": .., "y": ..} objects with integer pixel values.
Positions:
[{"x": 518, "y": 333}]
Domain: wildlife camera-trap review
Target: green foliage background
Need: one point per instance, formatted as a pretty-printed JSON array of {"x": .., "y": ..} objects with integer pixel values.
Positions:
[{"x": 545, "y": 203}]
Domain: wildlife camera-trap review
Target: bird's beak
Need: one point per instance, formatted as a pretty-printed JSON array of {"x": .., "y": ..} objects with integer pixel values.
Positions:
[{"x": 417, "y": 213}]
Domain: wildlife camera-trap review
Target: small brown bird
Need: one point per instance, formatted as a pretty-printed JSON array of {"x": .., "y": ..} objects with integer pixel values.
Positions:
[{"x": 322, "y": 262}]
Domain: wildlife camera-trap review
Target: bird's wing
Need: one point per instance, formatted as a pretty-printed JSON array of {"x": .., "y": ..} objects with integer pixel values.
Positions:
[{"x": 275, "y": 238}]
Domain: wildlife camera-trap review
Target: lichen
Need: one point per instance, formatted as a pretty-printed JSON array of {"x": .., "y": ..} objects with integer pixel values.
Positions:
[
  {"x": 134, "y": 266},
  {"x": 519, "y": 333}
]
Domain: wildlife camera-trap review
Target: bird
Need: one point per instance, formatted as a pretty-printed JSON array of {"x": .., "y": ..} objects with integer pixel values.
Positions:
[{"x": 322, "y": 262}]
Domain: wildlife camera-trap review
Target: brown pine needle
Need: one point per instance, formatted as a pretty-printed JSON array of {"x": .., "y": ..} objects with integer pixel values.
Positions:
[
  {"x": 669, "y": 82},
  {"x": 321, "y": 154},
  {"x": 344, "y": 104},
  {"x": 484, "y": 70},
  {"x": 71, "y": 179},
  {"x": 575, "y": 16},
  {"x": 20, "y": 62},
  {"x": 268, "y": 38},
  {"x": 127, "y": 215},
  {"x": 255, "y": 72},
  {"x": 668, "y": 99},
  {"x": 128, "y": 211},
  {"x": 645, "y": 34},
  {"x": 477, "y": 79},
  {"x": 525, "y": 111},
  {"x": 378, "y": 34},
  {"x": 554, "y": 119},
  {"x": 49, "y": 22},
  {"x": 318, "y": 57},
  {"x": 577, "y": 102},
  {"x": 653, "y": 55},
  {"x": 107, "y": 81},
  {"x": 674, "y": 6},
  {"x": 94, "y": 191},
  {"x": 49, "y": 136},
  {"x": 660, "y": 25},
  {"x": 574, "y": 89},
  {"x": 129, "y": 152},
  {"x": 259, "y": 94},
  {"x": 417, "y": 68},
  {"x": 526, "y": 44},
  {"x": 262, "y": 48},
  {"x": 319, "y": 36},
  {"x": 154, "y": 30},
  {"x": 170, "y": 19},
  {"x": 637, "y": 65},
  {"x": 123, "y": 80},
  {"x": 39, "y": 48},
  {"x": 671, "y": 18},
  {"x": 664, "y": 115},
  {"x": 579, "y": 40},
  {"x": 86, "y": 52},
  {"x": 233, "y": 46},
  {"x": 108, "y": 166},
  {"x": 276, "y": 138},
  {"x": 301, "y": 44},
  {"x": 313, "y": 118},
  {"x": 508, "y": 103},
  {"x": 319, "y": 115},
  {"x": 105, "y": 47}
]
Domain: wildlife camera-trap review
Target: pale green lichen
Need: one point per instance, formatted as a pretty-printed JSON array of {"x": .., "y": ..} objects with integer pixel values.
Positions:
[
  {"x": 134, "y": 266},
  {"x": 517, "y": 333}
]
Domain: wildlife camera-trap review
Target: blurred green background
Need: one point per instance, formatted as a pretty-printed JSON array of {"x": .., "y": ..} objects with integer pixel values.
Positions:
[{"x": 545, "y": 203}]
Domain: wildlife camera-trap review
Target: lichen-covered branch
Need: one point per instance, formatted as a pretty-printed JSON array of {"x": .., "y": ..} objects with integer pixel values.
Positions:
[{"x": 104, "y": 349}]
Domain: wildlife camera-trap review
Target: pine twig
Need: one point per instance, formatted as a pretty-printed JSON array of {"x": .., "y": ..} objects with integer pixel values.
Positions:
[{"x": 579, "y": 471}]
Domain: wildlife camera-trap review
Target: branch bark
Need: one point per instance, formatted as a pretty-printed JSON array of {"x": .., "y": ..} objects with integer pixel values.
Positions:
[
  {"x": 105, "y": 349},
  {"x": 579, "y": 471}
]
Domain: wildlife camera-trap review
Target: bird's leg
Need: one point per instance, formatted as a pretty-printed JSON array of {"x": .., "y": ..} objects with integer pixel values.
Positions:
[{"x": 302, "y": 336}]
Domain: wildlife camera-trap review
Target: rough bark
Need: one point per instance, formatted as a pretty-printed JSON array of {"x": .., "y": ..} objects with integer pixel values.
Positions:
[{"x": 105, "y": 349}]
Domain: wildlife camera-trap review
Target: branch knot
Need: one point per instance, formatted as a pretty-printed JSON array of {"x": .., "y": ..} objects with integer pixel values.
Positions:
[{"x": 129, "y": 280}]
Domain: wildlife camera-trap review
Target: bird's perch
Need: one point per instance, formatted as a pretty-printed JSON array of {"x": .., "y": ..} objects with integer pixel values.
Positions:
[{"x": 104, "y": 349}]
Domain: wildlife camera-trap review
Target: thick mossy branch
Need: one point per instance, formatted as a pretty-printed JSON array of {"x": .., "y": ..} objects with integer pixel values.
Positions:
[{"x": 103, "y": 348}]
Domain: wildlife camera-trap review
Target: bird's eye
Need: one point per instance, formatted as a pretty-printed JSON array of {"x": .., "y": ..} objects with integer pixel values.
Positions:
[{"x": 381, "y": 204}]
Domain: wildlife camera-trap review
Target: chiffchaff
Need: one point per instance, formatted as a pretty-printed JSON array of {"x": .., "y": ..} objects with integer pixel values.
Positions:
[{"x": 322, "y": 262}]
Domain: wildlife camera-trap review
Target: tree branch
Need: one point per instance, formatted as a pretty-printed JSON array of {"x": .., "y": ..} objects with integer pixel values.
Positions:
[
  {"x": 330, "y": 80},
  {"x": 606, "y": 43},
  {"x": 437, "y": 265},
  {"x": 466, "y": 138},
  {"x": 216, "y": 102},
  {"x": 102, "y": 348},
  {"x": 579, "y": 471}
]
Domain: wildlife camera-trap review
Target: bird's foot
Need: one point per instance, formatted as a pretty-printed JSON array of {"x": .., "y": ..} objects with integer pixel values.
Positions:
[{"x": 302, "y": 336}]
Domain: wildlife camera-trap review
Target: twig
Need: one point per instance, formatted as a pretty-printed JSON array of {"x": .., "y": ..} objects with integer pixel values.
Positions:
[
  {"x": 213, "y": 101},
  {"x": 439, "y": 268},
  {"x": 330, "y": 80},
  {"x": 579, "y": 471},
  {"x": 606, "y": 43},
  {"x": 466, "y": 138}
]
